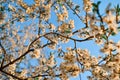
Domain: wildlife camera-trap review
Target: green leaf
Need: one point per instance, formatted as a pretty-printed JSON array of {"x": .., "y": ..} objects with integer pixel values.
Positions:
[
  {"x": 2, "y": 8},
  {"x": 61, "y": 4},
  {"x": 113, "y": 33},
  {"x": 98, "y": 3},
  {"x": 117, "y": 8},
  {"x": 68, "y": 31},
  {"x": 0, "y": 56},
  {"x": 104, "y": 37},
  {"x": 76, "y": 7},
  {"x": 118, "y": 28},
  {"x": 94, "y": 5},
  {"x": 58, "y": 0},
  {"x": 36, "y": 78}
]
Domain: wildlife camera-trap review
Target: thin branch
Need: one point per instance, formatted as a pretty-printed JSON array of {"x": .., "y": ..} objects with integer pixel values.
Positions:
[
  {"x": 105, "y": 58},
  {"x": 79, "y": 64},
  {"x": 10, "y": 74},
  {"x": 46, "y": 44},
  {"x": 17, "y": 59},
  {"x": 41, "y": 76},
  {"x": 89, "y": 38},
  {"x": 86, "y": 20},
  {"x": 74, "y": 11},
  {"x": 3, "y": 48},
  {"x": 75, "y": 45},
  {"x": 98, "y": 12},
  {"x": 29, "y": 50},
  {"x": 4, "y": 51}
]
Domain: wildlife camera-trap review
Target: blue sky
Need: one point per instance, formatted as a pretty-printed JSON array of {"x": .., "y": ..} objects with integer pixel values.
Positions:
[{"x": 90, "y": 45}]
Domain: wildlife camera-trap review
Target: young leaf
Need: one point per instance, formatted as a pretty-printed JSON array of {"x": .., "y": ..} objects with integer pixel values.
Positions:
[
  {"x": 68, "y": 31},
  {"x": 0, "y": 56},
  {"x": 94, "y": 5},
  {"x": 76, "y": 7},
  {"x": 36, "y": 78},
  {"x": 104, "y": 37},
  {"x": 98, "y": 3},
  {"x": 118, "y": 28},
  {"x": 113, "y": 33}
]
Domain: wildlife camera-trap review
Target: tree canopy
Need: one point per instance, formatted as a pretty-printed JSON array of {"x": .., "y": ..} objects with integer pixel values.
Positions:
[{"x": 39, "y": 40}]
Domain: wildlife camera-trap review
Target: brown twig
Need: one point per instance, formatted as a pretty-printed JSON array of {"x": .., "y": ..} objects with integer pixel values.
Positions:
[
  {"x": 10, "y": 74},
  {"x": 74, "y": 11},
  {"x": 17, "y": 59},
  {"x": 4, "y": 51}
]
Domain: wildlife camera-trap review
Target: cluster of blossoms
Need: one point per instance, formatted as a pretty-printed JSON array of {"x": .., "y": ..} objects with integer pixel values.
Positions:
[
  {"x": 62, "y": 16},
  {"x": 109, "y": 47},
  {"x": 2, "y": 17},
  {"x": 45, "y": 11},
  {"x": 69, "y": 68},
  {"x": 87, "y": 5},
  {"x": 39, "y": 7},
  {"x": 110, "y": 19},
  {"x": 19, "y": 45},
  {"x": 66, "y": 27}
]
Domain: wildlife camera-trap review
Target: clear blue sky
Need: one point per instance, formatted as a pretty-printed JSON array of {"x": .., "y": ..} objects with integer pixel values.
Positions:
[{"x": 90, "y": 45}]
